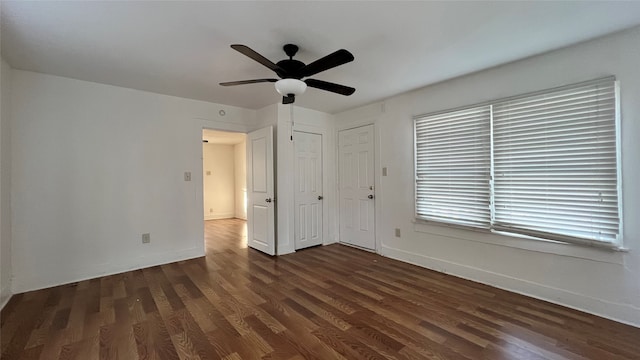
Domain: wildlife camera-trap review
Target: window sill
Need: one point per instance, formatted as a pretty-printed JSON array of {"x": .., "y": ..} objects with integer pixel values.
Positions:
[{"x": 612, "y": 256}]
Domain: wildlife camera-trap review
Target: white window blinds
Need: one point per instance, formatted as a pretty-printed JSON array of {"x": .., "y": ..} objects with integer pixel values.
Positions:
[
  {"x": 555, "y": 163},
  {"x": 453, "y": 167},
  {"x": 544, "y": 165}
]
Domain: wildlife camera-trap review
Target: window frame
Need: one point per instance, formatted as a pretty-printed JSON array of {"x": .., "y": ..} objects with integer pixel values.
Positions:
[{"x": 614, "y": 245}]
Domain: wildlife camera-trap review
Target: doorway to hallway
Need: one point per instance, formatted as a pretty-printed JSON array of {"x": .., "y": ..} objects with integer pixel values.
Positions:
[{"x": 223, "y": 176}]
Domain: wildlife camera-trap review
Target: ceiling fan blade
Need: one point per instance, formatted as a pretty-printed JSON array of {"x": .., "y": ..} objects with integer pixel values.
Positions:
[
  {"x": 245, "y": 50},
  {"x": 332, "y": 60},
  {"x": 328, "y": 86},
  {"x": 242, "y": 82}
]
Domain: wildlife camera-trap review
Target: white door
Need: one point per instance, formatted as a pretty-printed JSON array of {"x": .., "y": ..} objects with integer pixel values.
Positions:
[
  {"x": 357, "y": 196},
  {"x": 260, "y": 193},
  {"x": 308, "y": 189}
]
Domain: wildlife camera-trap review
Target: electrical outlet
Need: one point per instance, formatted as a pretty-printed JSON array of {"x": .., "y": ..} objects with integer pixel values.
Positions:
[
  {"x": 187, "y": 176},
  {"x": 384, "y": 171},
  {"x": 397, "y": 232},
  {"x": 208, "y": 172},
  {"x": 210, "y": 210},
  {"x": 146, "y": 238}
]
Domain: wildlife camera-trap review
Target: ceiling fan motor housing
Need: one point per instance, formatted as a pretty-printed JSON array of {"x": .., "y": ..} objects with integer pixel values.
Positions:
[{"x": 291, "y": 69}]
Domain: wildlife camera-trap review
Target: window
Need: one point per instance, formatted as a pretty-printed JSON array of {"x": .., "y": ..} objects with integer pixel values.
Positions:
[
  {"x": 453, "y": 167},
  {"x": 543, "y": 165}
]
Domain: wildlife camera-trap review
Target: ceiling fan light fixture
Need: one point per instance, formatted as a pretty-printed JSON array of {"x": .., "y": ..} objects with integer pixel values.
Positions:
[{"x": 290, "y": 87}]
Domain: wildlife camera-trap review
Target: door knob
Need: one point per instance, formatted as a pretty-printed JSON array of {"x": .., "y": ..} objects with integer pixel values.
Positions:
[
  {"x": 320, "y": 197},
  {"x": 370, "y": 196},
  {"x": 267, "y": 200}
]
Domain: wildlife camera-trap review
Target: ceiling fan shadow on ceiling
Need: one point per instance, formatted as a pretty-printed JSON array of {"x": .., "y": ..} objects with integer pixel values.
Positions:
[{"x": 292, "y": 71}]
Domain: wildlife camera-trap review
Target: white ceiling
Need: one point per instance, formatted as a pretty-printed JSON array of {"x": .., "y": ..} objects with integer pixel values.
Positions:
[
  {"x": 222, "y": 137},
  {"x": 182, "y": 48}
]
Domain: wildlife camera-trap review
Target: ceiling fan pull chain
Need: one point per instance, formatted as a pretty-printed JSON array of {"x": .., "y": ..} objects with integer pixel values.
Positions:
[{"x": 291, "y": 117}]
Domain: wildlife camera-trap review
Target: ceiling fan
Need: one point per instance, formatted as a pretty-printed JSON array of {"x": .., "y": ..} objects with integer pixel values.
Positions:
[{"x": 292, "y": 71}]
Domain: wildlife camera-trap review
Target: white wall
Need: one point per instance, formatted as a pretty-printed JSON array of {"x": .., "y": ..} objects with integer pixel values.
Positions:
[
  {"x": 219, "y": 181},
  {"x": 94, "y": 166},
  {"x": 6, "y": 271},
  {"x": 596, "y": 281},
  {"x": 267, "y": 116},
  {"x": 240, "y": 166}
]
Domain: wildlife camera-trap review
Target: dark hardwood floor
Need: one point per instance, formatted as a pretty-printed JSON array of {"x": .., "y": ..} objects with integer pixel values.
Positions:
[{"x": 329, "y": 302}]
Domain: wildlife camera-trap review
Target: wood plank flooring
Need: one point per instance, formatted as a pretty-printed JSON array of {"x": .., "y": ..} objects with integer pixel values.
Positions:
[{"x": 331, "y": 302}]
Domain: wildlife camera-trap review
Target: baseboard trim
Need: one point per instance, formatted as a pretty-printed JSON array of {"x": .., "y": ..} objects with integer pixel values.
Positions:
[
  {"x": 622, "y": 313},
  {"x": 218, "y": 216},
  {"x": 112, "y": 269}
]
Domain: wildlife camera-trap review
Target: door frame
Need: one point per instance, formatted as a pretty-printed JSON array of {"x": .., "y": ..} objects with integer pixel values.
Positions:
[
  {"x": 378, "y": 199},
  {"x": 328, "y": 198},
  {"x": 197, "y": 170}
]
